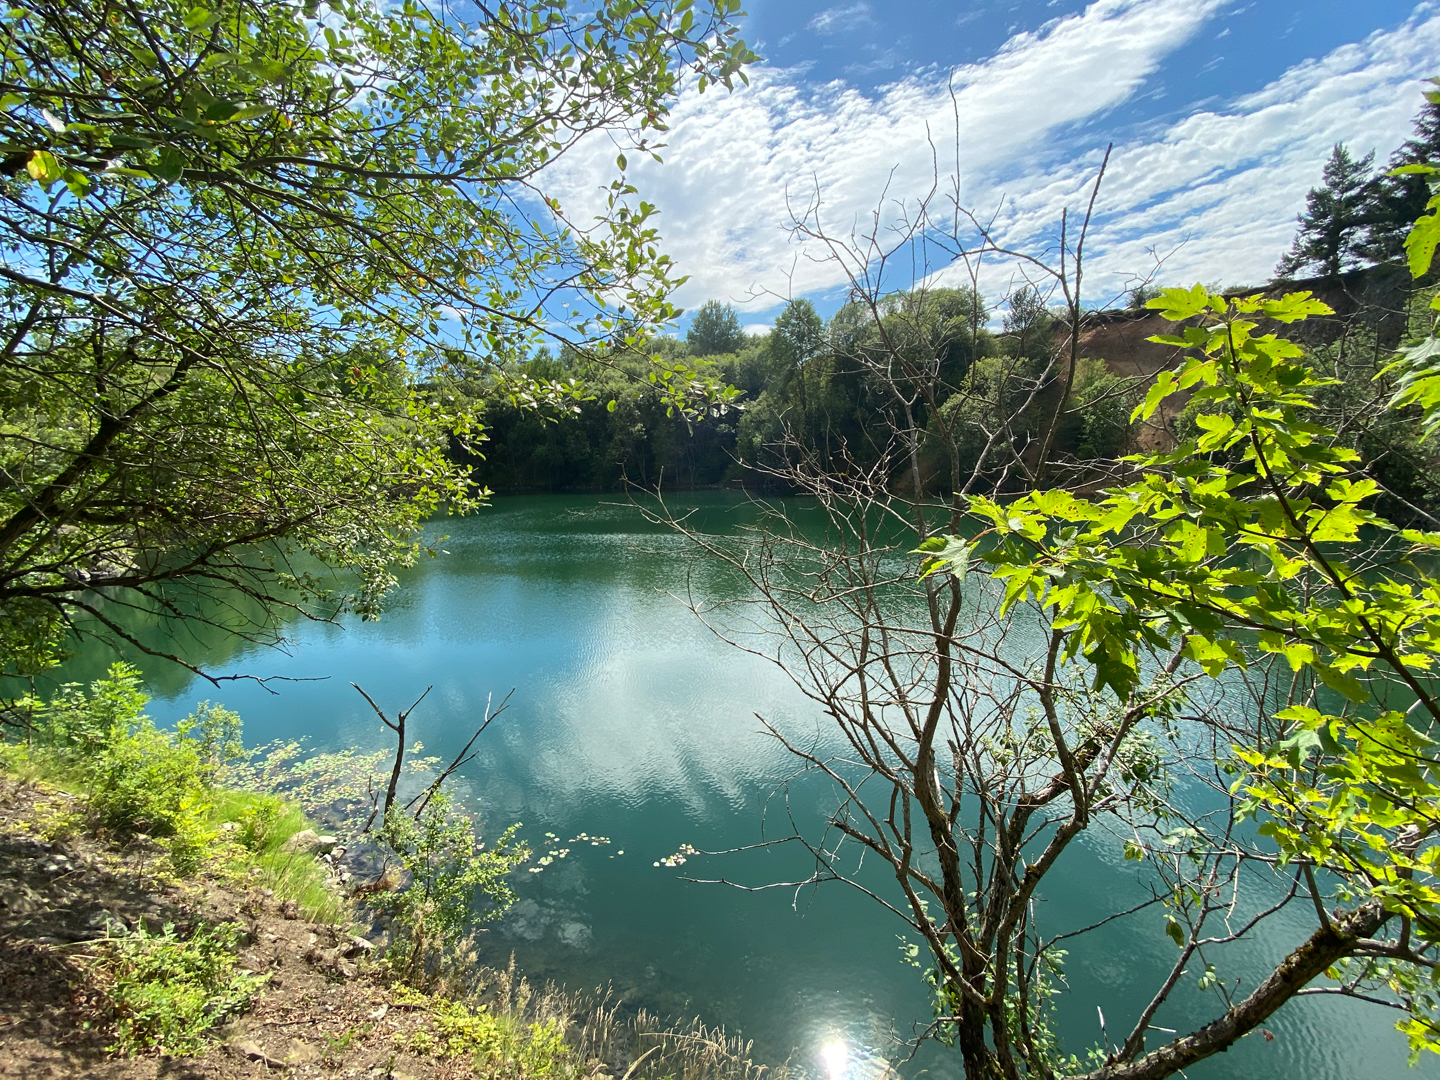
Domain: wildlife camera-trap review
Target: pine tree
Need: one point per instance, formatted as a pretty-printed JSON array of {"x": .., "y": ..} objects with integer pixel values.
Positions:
[
  {"x": 1400, "y": 200},
  {"x": 1330, "y": 239}
]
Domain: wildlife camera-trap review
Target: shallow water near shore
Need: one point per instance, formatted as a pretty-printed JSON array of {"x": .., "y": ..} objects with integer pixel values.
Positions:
[{"x": 633, "y": 724}]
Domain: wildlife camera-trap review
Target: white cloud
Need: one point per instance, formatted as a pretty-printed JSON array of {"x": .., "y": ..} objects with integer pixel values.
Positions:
[
  {"x": 1230, "y": 180},
  {"x": 1220, "y": 188},
  {"x": 836, "y": 20},
  {"x": 756, "y": 329}
]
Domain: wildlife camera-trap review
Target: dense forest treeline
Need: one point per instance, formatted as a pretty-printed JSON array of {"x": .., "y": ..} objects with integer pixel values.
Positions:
[
  {"x": 804, "y": 390},
  {"x": 803, "y": 381}
]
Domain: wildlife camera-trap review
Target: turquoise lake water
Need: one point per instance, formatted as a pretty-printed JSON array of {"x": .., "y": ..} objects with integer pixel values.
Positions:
[{"x": 632, "y": 721}]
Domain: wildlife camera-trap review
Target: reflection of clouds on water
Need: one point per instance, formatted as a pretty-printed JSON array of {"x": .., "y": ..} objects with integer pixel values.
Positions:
[
  {"x": 632, "y": 704},
  {"x": 532, "y": 920}
]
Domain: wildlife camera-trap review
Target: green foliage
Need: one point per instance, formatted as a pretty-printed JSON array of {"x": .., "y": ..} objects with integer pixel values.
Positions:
[
  {"x": 1354, "y": 218},
  {"x": 1417, "y": 368},
  {"x": 1141, "y": 295},
  {"x": 222, "y": 346},
  {"x": 985, "y": 420},
  {"x": 260, "y": 823},
  {"x": 1331, "y": 234},
  {"x": 454, "y": 882},
  {"x": 167, "y": 993},
  {"x": 1028, "y": 324},
  {"x": 1104, "y": 402},
  {"x": 495, "y": 1045},
  {"x": 798, "y": 337},
  {"x": 137, "y": 778},
  {"x": 629, "y": 428},
  {"x": 715, "y": 330},
  {"x": 1250, "y": 544},
  {"x": 1401, "y": 194},
  {"x": 332, "y": 787}
]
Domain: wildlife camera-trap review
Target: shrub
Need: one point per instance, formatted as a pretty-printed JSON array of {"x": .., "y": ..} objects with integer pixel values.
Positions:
[
  {"x": 497, "y": 1045},
  {"x": 451, "y": 874},
  {"x": 1105, "y": 401},
  {"x": 138, "y": 778},
  {"x": 260, "y": 823},
  {"x": 167, "y": 993}
]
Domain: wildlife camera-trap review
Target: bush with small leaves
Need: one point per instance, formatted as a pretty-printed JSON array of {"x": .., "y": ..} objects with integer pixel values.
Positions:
[{"x": 167, "y": 993}]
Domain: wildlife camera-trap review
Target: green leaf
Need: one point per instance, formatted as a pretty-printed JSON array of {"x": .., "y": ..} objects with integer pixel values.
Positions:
[
  {"x": 170, "y": 166},
  {"x": 1342, "y": 683},
  {"x": 1420, "y": 244},
  {"x": 197, "y": 18},
  {"x": 250, "y": 112},
  {"x": 1177, "y": 935},
  {"x": 1292, "y": 307},
  {"x": 620, "y": 162},
  {"x": 44, "y": 168},
  {"x": 943, "y": 554},
  {"x": 1162, "y": 388},
  {"x": 1177, "y": 305},
  {"x": 77, "y": 182}
]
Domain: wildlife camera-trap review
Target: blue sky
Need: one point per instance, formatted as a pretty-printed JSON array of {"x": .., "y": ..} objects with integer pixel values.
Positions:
[
  {"x": 869, "y": 44},
  {"x": 1222, "y": 113}
]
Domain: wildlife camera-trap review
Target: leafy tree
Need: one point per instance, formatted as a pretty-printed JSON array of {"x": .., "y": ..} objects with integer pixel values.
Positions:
[
  {"x": 798, "y": 338},
  {"x": 1104, "y": 402},
  {"x": 1141, "y": 294},
  {"x": 1331, "y": 234},
  {"x": 1330, "y": 605},
  {"x": 229, "y": 235},
  {"x": 715, "y": 330},
  {"x": 1028, "y": 323}
]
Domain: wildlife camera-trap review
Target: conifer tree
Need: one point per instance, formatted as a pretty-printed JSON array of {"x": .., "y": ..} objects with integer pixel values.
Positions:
[
  {"x": 1330, "y": 239},
  {"x": 1400, "y": 200}
]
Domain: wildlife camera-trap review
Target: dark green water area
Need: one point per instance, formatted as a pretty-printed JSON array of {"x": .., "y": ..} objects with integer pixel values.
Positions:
[{"x": 633, "y": 722}]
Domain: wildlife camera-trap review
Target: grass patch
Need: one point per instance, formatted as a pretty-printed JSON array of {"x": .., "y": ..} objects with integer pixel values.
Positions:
[
  {"x": 262, "y": 825},
  {"x": 496, "y": 1044},
  {"x": 509, "y": 1029}
]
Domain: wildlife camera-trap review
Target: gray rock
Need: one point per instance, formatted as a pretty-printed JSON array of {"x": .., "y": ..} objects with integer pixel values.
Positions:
[
  {"x": 575, "y": 934},
  {"x": 308, "y": 842},
  {"x": 357, "y": 945}
]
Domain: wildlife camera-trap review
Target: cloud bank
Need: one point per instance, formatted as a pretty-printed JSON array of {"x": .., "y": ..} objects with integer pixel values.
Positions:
[{"x": 1215, "y": 191}]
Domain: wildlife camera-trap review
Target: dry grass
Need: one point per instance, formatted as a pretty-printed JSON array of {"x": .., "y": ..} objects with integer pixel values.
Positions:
[{"x": 608, "y": 1040}]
